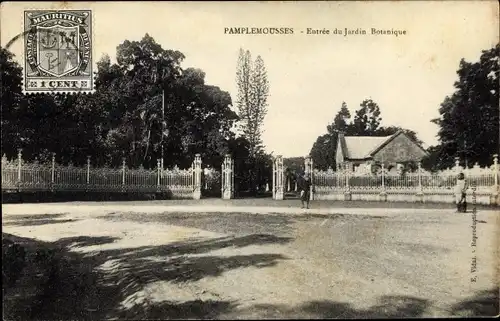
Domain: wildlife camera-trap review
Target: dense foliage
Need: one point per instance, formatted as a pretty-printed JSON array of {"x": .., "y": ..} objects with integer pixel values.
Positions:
[
  {"x": 143, "y": 100},
  {"x": 145, "y": 107},
  {"x": 469, "y": 118}
]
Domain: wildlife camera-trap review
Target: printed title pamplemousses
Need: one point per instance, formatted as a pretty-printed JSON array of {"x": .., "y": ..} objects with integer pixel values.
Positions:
[{"x": 313, "y": 31}]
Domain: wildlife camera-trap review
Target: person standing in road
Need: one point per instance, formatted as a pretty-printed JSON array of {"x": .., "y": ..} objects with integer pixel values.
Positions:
[
  {"x": 460, "y": 194},
  {"x": 305, "y": 190}
]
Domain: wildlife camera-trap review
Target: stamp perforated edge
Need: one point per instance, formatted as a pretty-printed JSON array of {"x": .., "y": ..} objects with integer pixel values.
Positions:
[{"x": 92, "y": 53}]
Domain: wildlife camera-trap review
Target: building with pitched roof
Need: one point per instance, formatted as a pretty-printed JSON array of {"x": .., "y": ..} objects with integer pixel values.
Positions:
[{"x": 366, "y": 151}]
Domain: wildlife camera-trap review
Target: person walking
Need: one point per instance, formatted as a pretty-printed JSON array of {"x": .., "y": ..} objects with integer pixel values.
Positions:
[
  {"x": 305, "y": 190},
  {"x": 460, "y": 194}
]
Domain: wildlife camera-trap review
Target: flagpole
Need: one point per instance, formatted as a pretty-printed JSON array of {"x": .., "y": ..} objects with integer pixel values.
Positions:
[{"x": 162, "y": 124}]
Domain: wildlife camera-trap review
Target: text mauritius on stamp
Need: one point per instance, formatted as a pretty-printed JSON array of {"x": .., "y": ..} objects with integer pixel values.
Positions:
[{"x": 58, "y": 51}]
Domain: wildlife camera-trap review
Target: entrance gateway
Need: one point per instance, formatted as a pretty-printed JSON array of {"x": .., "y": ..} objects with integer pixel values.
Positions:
[
  {"x": 227, "y": 178},
  {"x": 280, "y": 183}
]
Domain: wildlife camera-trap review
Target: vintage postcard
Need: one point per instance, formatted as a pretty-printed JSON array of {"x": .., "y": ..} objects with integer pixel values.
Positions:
[{"x": 250, "y": 160}]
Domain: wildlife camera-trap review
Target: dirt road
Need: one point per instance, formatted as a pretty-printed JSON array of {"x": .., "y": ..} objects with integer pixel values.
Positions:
[{"x": 141, "y": 263}]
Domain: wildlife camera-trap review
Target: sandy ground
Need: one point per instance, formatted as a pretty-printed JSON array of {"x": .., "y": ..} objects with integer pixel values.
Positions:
[{"x": 154, "y": 260}]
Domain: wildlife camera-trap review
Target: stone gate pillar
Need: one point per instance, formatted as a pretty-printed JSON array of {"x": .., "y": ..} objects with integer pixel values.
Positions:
[
  {"x": 278, "y": 178},
  {"x": 197, "y": 177},
  {"x": 308, "y": 169},
  {"x": 420, "y": 192},
  {"x": 227, "y": 178},
  {"x": 494, "y": 195},
  {"x": 346, "y": 174}
]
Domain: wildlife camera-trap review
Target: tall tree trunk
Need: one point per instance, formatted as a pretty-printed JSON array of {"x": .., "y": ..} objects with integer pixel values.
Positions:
[{"x": 147, "y": 143}]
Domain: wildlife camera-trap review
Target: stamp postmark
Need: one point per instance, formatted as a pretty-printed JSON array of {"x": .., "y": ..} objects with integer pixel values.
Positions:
[{"x": 58, "y": 51}]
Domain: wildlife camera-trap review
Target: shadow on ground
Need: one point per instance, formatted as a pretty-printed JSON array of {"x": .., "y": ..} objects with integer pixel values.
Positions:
[
  {"x": 93, "y": 286},
  {"x": 225, "y": 223},
  {"x": 70, "y": 285},
  {"x": 387, "y": 307},
  {"x": 236, "y": 223},
  {"x": 33, "y": 220},
  {"x": 309, "y": 216},
  {"x": 484, "y": 303}
]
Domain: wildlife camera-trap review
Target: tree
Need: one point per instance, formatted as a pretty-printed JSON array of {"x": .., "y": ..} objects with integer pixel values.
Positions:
[
  {"x": 10, "y": 98},
  {"x": 148, "y": 71},
  {"x": 367, "y": 119},
  {"x": 295, "y": 164},
  {"x": 124, "y": 117},
  {"x": 253, "y": 90},
  {"x": 163, "y": 105},
  {"x": 432, "y": 161},
  {"x": 259, "y": 86},
  {"x": 323, "y": 151},
  {"x": 390, "y": 130},
  {"x": 341, "y": 122},
  {"x": 43, "y": 124},
  {"x": 469, "y": 118},
  {"x": 243, "y": 78},
  {"x": 251, "y": 102}
]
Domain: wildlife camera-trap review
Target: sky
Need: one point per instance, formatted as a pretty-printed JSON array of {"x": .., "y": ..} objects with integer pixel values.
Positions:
[{"x": 310, "y": 76}]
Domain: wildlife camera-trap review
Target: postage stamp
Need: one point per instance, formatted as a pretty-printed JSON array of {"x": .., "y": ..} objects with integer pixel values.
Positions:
[{"x": 58, "y": 51}]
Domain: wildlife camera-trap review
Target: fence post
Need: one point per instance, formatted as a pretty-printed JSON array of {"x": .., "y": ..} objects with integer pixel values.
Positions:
[
  {"x": 158, "y": 164},
  {"x": 383, "y": 193},
  {"x": 232, "y": 179},
  {"x": 419, "y": 176},
  {"x": 495, "y": 168},
  {"x": 197, "y": 177},
  {"x": 313, "y": 189},
  {"x": 223, "y": 178},
  {"x": 228, "y": 178},
  {"x": 494, "y": 195},
  {"x": 88, "y": 172},
  {"x": 420, "y": 193},
  {"x": 123, "y": 174},
  {"x": 19, "y": 164},
  {"x": 274, "y": 178},
  {"x": 206, "y": 173},
  {"x": 278, "y": 172},
  {"x": 347, "y": 192},
  {"x": 53, "y": 172}
]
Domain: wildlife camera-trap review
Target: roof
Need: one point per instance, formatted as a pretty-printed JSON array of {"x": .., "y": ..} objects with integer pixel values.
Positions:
[
  {"x": 362, "y": 147},
  {"x": 365, "y": 147}
]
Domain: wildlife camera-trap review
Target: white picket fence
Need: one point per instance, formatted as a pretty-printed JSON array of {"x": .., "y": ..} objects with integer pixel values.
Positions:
[
  {"x": 31, "y": 177},
  {"x": 420, "y": 186}
]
